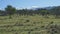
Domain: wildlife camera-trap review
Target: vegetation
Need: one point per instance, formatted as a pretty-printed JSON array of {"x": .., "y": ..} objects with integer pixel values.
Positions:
[
  {"x": 29, "y": 21},
  {"x": 10, "y": 10}
]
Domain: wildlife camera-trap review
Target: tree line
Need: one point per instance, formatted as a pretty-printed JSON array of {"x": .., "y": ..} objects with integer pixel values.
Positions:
[{"x": 10, "y": 10}]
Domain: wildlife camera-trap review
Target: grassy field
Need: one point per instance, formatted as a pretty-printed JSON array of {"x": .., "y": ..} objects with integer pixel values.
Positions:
[{"x": 26, "y": 24}]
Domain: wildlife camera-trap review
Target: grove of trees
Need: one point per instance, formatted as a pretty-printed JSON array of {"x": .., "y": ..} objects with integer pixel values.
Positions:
[{"x": 10, "y": 10}]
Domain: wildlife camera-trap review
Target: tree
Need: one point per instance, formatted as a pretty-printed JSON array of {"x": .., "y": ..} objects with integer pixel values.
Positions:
[
  {"x": 10, "y": 10},
  {"x": 44, "y": 12},
  {"x": 56, "y": 11}
]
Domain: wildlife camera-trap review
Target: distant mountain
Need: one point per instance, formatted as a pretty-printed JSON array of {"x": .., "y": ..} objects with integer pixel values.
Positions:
[
  {"x": 48, "y": 8},
  {"x": 38, "y": 8},
  {"x": 41, "y": 8}
]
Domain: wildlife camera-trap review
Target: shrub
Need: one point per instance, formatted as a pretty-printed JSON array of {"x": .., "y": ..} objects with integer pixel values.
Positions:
[
  {"x": 42, "y": 26},
  {"x": 53, "y": 29},
  {"x": 52, "y": 22},
  {"x": 27, "y": 20}
]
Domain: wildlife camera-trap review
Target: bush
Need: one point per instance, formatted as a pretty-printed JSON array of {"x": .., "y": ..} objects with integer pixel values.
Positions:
[
  {"x": 52, "y": 22},
  {"x": 53, "y": 29},
  {"x": 27, "y": 20},
  {"x": 42, "y": 26}
]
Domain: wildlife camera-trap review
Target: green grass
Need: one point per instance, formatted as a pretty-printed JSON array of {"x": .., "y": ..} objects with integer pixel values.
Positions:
[{"x": 19, "y": 24}]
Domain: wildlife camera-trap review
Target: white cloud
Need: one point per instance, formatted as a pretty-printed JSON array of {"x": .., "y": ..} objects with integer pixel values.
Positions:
[
  {"x": 29, "y": 7},
  {"x": 35, "y": 6}
]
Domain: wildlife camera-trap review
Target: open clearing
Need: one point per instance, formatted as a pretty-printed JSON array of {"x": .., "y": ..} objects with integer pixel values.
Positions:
[{"x": 26, "y": 24}]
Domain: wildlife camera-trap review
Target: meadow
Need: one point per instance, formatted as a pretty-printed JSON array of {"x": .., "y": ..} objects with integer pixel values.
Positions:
[{"x": 36, "y": 24}]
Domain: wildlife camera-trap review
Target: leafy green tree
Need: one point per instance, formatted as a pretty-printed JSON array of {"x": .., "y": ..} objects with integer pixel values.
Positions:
[
  {"x": 56, "y": 11},
  {"x": 44, "y": 12},
  {"x": 10, "y": 10}
]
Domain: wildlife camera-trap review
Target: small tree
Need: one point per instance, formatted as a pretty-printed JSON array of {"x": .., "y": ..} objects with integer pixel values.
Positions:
[
  {"x": 10, "y": 10},
  {"x": 44, "y": 12}
]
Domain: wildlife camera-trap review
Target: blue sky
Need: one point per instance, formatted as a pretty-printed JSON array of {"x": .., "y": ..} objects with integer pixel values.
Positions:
[{"x": 29, "y": 3}]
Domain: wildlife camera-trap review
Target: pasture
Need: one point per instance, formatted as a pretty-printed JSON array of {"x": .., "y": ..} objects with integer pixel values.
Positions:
[{"x": 28, "y": 24}]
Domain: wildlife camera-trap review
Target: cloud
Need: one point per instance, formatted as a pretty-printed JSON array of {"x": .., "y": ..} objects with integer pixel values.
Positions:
[
  {"x": 30, "y": 7},
  {"x": 35, "y": 6}
]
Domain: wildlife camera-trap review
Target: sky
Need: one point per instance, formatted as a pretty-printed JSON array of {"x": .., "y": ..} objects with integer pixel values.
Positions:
[{"x": 20, "y": 4}]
